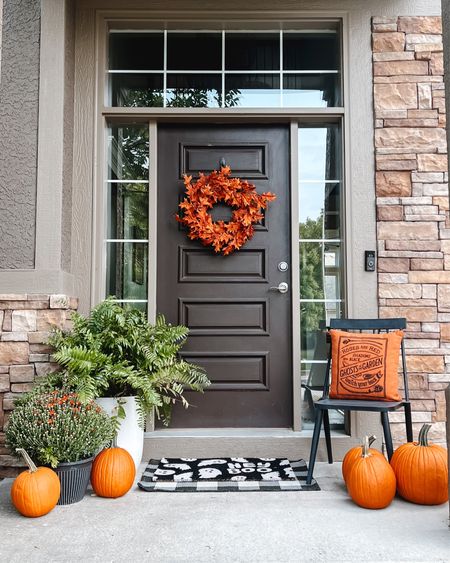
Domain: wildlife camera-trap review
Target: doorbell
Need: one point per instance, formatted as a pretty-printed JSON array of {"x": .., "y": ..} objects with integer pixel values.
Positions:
[{"x": 369, "y": 260}]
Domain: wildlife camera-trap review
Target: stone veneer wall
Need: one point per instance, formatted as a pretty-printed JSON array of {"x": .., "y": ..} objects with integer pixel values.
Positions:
[
  {"x": 25, "y": 323},
  {"x": 413, "y": 225}
]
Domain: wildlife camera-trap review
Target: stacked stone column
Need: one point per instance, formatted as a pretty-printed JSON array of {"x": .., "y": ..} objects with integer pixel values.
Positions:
[
  {"x": 26, "y": 322},
  {"x": 413, "y": 226}
]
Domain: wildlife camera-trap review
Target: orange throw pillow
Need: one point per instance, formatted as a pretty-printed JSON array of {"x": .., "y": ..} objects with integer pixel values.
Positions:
[{"x": 365, "y": 366}]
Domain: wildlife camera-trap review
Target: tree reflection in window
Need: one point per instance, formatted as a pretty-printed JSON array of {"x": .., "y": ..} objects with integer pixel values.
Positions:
[
  {"x": 179, "y": 98},
  {"x": 311, "y": 274},
  {"x": 129, "y": 153}
]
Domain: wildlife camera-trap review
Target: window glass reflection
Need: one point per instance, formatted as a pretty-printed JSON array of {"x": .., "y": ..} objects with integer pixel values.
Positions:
[
  {"x": 319, "y": 211},
  {"x": 320, "y": 270},
  {"x": 252, "y": 90},
  {"x": 247, "y": 51},
  {"x": 311, "y": 51},
  {"x": 128, "y": 211},
  {"x": 128, "y": 154},
  {"x": 319, "y": 154},
  {"x": 136, "y": 51},
  {"x": 194, "y": 90},
  {"x": 137, "y": 90},
  {"x": 310, "y": 90},
  {"x": 314, "y": 319},
  {"x": 194, "y": 51},
  {"x": 127, "y": 270}
]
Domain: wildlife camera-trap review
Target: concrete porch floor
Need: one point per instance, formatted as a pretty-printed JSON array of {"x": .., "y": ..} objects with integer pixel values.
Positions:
[{"x": 281, "y": 527}]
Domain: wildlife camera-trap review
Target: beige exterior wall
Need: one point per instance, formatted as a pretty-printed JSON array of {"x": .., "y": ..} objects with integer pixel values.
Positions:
[
  {"x": 19, "y": 105},
  {"x": 1, "y": 28}
]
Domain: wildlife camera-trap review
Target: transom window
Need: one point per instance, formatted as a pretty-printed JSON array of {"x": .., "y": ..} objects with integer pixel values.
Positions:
[{"x": 224, "y": 69}]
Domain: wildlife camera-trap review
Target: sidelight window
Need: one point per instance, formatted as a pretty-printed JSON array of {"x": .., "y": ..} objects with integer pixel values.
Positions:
[
  {"x": 225, "y": 69},
  {"x": 321, "y": 263},
  {"x": 127, "y": 209}
]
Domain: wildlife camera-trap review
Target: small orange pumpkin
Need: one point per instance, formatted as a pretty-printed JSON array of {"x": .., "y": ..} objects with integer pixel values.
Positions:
[
  {"x": 421, "y": 469},
  {"x": 355, "y": 453},
  {"x": 36, "y": 490},
  {"x": 371, "y": 480},
  {"x": 113, "y": 473}
]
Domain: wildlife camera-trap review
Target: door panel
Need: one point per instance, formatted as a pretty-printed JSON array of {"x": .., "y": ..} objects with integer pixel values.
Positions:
[
  {"x": 240, "y": 330},
  {"x": 250, "y": 160}
]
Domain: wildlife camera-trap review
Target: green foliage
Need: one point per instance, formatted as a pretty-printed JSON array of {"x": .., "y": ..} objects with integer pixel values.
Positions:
[
  {"x": 55, "y": 427},
  {"x": 129, "y": 154},
  {"x": 116, "y": 353},
  {"x": 187, "y": 97},
  {"x": 311, "y": 274}
]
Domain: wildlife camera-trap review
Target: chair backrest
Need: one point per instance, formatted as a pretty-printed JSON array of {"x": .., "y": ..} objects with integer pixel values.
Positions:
[{"x": 374, "y": 326}]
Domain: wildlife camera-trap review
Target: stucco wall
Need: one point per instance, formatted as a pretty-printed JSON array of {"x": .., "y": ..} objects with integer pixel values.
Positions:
[
  {"x": 69, "y": 76},
  {"x": 19, "y": 88},
  {"x": 1, "y": 26}
]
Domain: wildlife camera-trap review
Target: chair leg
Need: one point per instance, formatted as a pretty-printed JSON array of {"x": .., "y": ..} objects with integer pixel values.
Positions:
[
  {"x": 408, "y": 422},
  {"x": 326, "y": 426},
  {"x": 387, "y": 434},
  {"x": 314, "y": 444}
]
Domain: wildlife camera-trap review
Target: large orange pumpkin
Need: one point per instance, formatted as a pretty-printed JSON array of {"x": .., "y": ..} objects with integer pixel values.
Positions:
[
  {"x": 371, "y": 480},
  {"x": 113, "y": 473},
  {"x": 35, "y": 491},
  {"x": 421, "y": 469},
  {"x": 354, "y": 453}
]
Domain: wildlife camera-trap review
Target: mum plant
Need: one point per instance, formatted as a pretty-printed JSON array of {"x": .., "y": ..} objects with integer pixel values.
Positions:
[
  {"x": 116, "y": 352},
  {"x": 56, "y": 427}
]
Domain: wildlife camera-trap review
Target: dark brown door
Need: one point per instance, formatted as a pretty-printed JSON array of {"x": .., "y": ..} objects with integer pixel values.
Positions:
[{"x": 240, "y": 330}]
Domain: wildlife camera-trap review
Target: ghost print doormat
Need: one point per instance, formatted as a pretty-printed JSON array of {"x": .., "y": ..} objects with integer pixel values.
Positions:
[{"x": 225, "y": 474}]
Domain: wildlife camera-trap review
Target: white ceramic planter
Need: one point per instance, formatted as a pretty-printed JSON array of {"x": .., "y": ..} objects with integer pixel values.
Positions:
[{"x": 130, "y": 435}]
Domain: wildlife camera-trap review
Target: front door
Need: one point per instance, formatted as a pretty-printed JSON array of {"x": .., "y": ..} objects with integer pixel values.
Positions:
[{"x": 240, "y": 328}]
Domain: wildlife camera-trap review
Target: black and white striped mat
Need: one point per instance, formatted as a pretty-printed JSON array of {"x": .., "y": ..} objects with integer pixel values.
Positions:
[{"x": 225, "y": 475}]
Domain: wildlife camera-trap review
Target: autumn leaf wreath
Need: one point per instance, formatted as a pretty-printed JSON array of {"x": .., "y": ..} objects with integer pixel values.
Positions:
[{"x": 202, "y": 195}]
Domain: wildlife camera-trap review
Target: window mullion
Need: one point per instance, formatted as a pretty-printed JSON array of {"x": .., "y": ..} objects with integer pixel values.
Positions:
[
  {"x": 223, "y": 68},
  {"x": 281, "y": 68},
  {"x": 165, "y": 70}
]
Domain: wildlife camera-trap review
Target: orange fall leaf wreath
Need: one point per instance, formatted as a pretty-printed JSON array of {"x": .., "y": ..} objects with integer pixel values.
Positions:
[{"x": 202, "y": 195}]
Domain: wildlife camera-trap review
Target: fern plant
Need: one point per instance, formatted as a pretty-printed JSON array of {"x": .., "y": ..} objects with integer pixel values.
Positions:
[{"x": 115, "y": 352}]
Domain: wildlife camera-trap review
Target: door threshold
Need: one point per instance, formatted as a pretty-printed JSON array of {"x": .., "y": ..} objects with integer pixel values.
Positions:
[
  {"x": 222, "y": 432},
  {"x": 238, "y": 442},
  {"x": 236, "y": 432}
]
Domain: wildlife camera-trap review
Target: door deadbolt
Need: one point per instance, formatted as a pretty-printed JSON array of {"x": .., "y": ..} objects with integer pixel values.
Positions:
[{"x": 283, "y": 266}]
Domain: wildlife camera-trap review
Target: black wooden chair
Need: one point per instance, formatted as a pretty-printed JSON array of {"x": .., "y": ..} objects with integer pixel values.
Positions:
[{"x": 323, "y": 405}]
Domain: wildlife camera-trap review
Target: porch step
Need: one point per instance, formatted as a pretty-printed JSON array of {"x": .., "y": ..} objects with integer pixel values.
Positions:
[{"x": 237, "y": 442}]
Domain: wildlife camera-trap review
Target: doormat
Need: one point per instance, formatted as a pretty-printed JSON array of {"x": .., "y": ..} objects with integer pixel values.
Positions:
[{"x": 228, "y": 474}]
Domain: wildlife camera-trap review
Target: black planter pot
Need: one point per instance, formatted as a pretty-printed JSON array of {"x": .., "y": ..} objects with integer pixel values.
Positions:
[{"x": 74, "y": 478}]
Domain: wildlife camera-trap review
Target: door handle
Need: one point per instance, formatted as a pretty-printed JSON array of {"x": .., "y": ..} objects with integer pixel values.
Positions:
[{"x": 282, "y": 287}]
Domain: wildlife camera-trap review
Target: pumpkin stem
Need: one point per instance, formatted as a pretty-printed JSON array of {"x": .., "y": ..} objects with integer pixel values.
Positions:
[
  {"x": 27, "y": 459},
  {"x": 423, "y": 435},
  {"x": 365, "y": 447}
]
